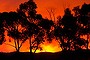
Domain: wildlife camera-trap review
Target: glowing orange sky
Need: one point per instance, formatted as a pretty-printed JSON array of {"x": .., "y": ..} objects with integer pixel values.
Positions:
[{"x": 58, "y": 5}]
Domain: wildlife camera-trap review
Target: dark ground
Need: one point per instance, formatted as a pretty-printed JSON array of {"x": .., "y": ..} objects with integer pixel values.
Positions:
[{"x": 64, "y": 55}]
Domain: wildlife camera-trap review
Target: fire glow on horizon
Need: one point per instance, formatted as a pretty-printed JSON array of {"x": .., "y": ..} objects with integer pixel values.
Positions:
[
  {"x": 46, "y": 47},
  {"x": 7, "y": 46},
  {"x": 57, "y": 4},
  {"x": 53, "y": 46}
]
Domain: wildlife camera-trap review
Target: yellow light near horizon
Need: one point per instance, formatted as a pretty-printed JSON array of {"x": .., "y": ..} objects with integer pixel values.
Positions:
[
  {"x": 46, "y": 47},
  {"x": 51, "y": 47}
]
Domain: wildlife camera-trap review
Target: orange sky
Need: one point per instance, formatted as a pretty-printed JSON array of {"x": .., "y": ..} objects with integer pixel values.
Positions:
[{"x": 58, "y": 5}]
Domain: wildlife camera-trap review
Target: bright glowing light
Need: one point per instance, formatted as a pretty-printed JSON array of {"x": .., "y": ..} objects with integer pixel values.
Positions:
[{"x": 51, "y": 47}]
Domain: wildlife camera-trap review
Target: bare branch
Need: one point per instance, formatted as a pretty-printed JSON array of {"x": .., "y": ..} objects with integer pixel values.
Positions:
[{"x": 49, "y": 14}]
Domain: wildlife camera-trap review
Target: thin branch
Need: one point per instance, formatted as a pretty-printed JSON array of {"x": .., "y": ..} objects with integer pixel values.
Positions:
[
  {"x": 52, "y": 11},
  {"x": 21, "y": 44},
  {"x": 49, "y": 14},
  {"x": 15, "y": 44},
  {"x": 35, "y": 49}
]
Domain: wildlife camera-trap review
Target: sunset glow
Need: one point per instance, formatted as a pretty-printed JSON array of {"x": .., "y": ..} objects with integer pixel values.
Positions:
[
  {"x": 46, "y": 47},
  {"x": 42, "y": 7}
]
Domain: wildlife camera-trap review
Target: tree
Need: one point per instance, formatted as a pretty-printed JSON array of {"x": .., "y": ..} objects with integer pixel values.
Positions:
[
  {"x": 27, "y": 11},
  {"x": 11, "y": 22},
  {"x": 67, "y": 32},
  {"x": 46, "y": 25},
  {"x": 76, "y": 11},
  {"x": 83, "y": 20},
  {"x": 33, "y": 30}
]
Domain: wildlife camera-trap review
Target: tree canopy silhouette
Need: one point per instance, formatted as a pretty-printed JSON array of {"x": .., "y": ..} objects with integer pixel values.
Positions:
[
  {"x": 83, "y": 20},
  {"x": 67, "y": 32},
  {"x": 30, "y": 19}
]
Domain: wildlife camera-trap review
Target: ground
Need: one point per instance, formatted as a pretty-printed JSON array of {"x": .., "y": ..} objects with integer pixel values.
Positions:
[{"x": 64, "y": 55}]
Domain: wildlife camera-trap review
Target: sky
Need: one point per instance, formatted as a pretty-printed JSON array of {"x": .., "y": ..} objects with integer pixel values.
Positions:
[{"x": 43, "y": 5}]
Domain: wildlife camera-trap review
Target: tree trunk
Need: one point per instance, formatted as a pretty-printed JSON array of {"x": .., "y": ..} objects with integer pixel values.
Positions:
[
  {"x": 18, "y": 50},
  {"x": 17, "y": 45},
  {"x": 62, "y": 42},
  {"x": 31, "y": 54},
  {"x": 30, "y": 45},
  {"x": 36, "y": 48}
]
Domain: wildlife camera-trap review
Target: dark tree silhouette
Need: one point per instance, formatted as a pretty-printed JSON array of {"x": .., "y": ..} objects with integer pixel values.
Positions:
[
  {"x": 11, "y": 23},
  {"x": 83, "y": 20},
  {"x": 67, "y": 30},
  {"x": 76, "y": 11},
  {"x": 27, "y": 11},
  {"x": 33, "y": 30},
  {"x": 46, "y": 25},
  {"x": 39, "y": 16}
]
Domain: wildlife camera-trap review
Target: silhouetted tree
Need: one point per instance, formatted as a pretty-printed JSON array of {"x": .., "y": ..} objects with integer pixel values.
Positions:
[
  {"x": 39, "y": 16},
  {"x": 83, "y": 20},
  {"x": 27, "y": 12},
  {"x": 33, "y": 30},
  {"x": 11, "y": 24},
  {"x": 76, "y": 11},
  {"x": 28, "y": 9},
  {"x": 46, "y": 25},
  {"x": 67, "y": 30}
]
